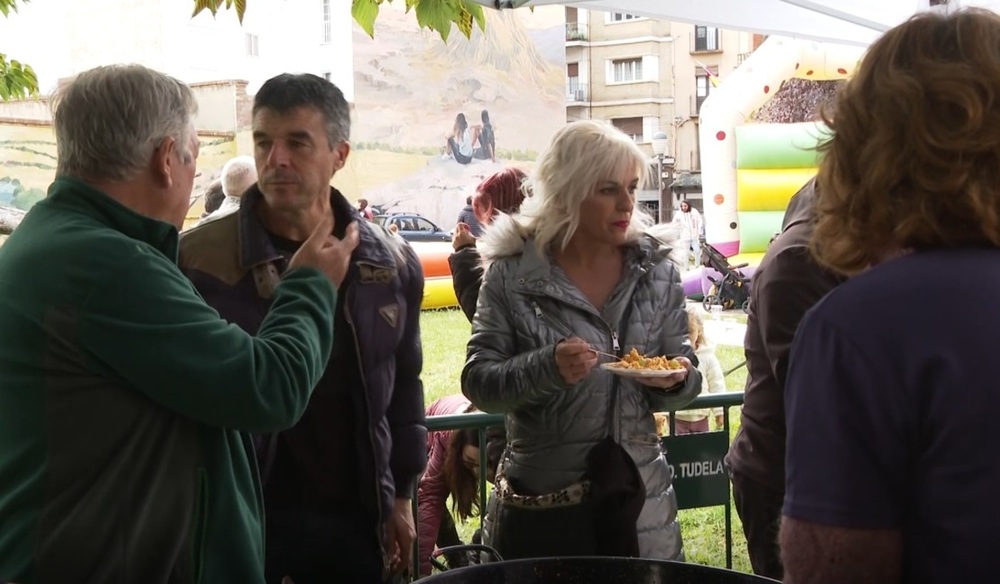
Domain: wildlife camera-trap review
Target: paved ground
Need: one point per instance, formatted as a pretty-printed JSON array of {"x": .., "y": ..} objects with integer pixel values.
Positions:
[{"x": 726, "y": 328}]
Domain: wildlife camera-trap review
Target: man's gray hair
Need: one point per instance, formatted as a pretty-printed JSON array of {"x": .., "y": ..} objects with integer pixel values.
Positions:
[
  {"x": 109, "y": 121},
  {"x": 238, "y": 175}
]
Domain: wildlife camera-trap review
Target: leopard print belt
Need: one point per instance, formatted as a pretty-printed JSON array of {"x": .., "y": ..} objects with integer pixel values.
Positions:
[{"x": 572, "y": 495}]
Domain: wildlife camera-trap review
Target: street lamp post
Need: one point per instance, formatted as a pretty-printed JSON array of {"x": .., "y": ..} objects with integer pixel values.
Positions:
[{"x": 660, "y": 144}]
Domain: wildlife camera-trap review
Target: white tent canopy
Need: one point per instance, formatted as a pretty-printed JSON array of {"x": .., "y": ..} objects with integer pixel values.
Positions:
[{"x": 855, "y": 22}]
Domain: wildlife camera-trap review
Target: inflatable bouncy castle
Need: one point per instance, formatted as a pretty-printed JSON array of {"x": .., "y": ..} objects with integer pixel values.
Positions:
[
  {"x": 772, "y": 162},
  {"x": 439, "y": 292},
  {"x": 750, "y": 171}
]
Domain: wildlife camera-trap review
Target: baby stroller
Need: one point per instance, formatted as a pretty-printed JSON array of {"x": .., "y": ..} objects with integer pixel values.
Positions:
[{"x": 730, "y": 291}]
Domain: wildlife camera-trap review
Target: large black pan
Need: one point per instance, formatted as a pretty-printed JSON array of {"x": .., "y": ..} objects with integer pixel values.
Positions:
[{"x": 591, "y": 570}]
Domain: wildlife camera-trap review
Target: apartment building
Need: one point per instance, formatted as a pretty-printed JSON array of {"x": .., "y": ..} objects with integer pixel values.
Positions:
[{"x": 648, "y": 76}]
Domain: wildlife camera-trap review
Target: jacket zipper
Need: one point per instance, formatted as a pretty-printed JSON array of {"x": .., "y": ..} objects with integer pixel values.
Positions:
[
  {"x": 615, "y": 419},
  {"x": 368, "y": 405},
  {"x": 562, "y": 330}
]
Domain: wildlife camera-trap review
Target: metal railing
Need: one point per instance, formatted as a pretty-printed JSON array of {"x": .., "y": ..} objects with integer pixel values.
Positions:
[
  {"x": 577, "y": 92},
  {"x": 576, "y": 31},
  {"x": 481, "y": 421}
]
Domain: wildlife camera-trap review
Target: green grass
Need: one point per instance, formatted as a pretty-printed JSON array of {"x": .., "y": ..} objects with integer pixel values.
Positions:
[{"x": 445, "y": 334}]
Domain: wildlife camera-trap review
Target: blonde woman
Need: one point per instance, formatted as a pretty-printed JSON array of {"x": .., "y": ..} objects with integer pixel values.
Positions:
[
  {"x": 712, "y": 378},
  {"x": 572, "y": 273}
]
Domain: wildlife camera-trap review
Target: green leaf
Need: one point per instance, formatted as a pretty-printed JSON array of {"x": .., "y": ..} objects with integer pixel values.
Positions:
[
  {"x": 437, "y": 15},
  {"x": 365, "y": 12},
  {"x": 241, "y": 8},
  {"x": 210, "y": 5},
  {"x": 477, "y": 13},
  {"x": 8, "y": 6},
  {"x": 464, "y": 21},
  {"x": 17, "y": 81}
]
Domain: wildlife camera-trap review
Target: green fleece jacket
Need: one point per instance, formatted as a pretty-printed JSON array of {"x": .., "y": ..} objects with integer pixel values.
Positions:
[{"x": 123, "y": 398}]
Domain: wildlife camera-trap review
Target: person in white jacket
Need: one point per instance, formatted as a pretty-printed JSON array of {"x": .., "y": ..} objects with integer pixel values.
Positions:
[
  {"x": 692, "y": 227},
  {"x": 712, "y": 378}
]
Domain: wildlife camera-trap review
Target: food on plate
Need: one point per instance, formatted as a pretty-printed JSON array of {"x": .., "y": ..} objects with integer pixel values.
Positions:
[{"x": 633, "y": 360}]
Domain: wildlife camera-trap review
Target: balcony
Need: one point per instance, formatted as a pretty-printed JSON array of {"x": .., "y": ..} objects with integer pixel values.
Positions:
[
  {"x": 576, "y": 31},
  {"x": 577, "y": 93},
  {"x": 742, "y": 57}
]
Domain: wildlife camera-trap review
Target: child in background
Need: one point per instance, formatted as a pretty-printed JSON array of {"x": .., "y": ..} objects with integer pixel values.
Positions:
[{"x": 712, "y": 378}]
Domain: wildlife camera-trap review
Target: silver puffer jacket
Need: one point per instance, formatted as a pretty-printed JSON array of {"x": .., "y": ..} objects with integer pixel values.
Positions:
[{"x": 526, "y": 306}]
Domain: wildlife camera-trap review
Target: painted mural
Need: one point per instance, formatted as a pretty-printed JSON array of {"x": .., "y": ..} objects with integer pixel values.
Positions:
[
  {"x": 28, "y": 164},
  {"x": 413, "y": 92}
]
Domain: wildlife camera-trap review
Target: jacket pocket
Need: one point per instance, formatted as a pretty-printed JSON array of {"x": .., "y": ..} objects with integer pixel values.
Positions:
[
  {"x": 199, "y": 525},
  {"x": 543, "y": 321}
]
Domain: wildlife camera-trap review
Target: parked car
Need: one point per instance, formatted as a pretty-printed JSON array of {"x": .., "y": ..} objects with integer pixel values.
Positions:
[{"x": 413, "y": 227}]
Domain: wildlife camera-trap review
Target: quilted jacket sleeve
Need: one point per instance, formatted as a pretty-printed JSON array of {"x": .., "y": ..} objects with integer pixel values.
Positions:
[{"x": 497, "y": 378}]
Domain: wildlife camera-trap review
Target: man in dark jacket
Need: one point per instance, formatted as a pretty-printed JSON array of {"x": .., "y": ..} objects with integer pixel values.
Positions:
[
  {"x": 337, "y": 486},
  {"x": 785, "y": 286},
  {"x": 468, "y": 217},
  {"x": 123, "y": 394}
]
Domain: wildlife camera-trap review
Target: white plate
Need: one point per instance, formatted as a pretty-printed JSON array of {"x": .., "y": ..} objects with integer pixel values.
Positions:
[{"x": 643, "y": 372}]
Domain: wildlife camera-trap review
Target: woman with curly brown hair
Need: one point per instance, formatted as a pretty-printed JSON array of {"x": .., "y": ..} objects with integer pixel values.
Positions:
[{"x": 891, "y": 475}]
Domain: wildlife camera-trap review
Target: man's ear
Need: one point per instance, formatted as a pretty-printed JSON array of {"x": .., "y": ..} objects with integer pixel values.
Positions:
[
  {"x": 343, "y": 149},
  {"x": 163, "y": 160}
]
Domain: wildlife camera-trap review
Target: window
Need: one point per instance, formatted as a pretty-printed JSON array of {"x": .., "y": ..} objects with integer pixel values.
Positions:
[
  {"x": 702, "y": 86},
  {"x": 253, "y": 48},
  {"x": 624, "y": 70},
  {"x": 630, "y": 126},
  {"x": 327, "y": 22},
  {"x": 621, "y": 17},
  {"x": 421, "y": 224},
  {"x": 572, "y": 80},
  {"x": 706, "y": 38}
]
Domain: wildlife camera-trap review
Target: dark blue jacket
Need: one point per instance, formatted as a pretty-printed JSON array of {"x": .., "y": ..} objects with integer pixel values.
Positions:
[{"x": 234, "y": 265}]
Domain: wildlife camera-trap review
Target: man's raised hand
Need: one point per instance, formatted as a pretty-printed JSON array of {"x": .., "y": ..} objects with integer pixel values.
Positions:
[{"x": 323, "y": 251}]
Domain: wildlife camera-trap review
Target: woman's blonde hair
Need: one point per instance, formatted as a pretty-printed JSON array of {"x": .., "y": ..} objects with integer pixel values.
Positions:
[
  {"x": 581, "y": 155},
  {"x": 914, "y": 160},
  {"x": 696, "y": 327}
]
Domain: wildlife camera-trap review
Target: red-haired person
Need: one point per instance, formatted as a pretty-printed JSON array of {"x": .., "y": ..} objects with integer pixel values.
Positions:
[{"x": 500, "y": 193}]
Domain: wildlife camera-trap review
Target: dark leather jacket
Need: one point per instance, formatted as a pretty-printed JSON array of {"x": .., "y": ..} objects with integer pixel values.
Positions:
[{"x": 234, "y": 265}]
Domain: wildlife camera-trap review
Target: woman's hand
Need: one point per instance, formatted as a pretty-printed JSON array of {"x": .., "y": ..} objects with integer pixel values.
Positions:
[
  {"x": 672, "y": 382},
  {"x": 574, "y": 359},
  {"x": 462, "y": 237}
]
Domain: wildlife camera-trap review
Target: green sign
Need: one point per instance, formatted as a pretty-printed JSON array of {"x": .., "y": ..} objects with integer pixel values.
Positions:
[{"x": 696, "y": 460}]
